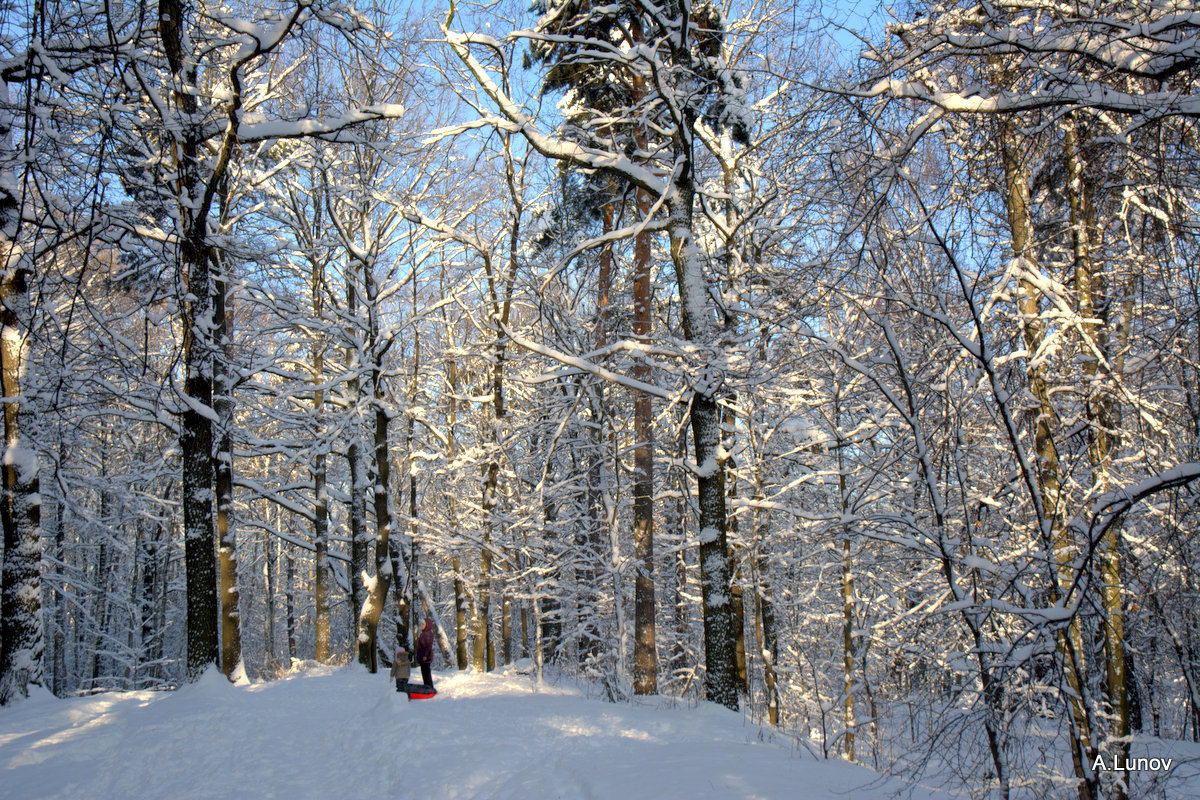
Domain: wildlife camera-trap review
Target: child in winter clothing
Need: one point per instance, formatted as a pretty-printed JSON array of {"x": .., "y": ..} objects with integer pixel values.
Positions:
[{"x": 401, "y": 668}]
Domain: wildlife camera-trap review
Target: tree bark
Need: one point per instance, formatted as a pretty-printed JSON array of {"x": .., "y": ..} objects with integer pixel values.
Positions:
[
  {"x": 231, "y": 635},
  {"x": 1101, "y": 341},
  {"x": 499, "y": 297},
  {"x": 322, "y": 649},
  {"x": 506, "y": 611},
  {"x": 599, "y": 498},
  {"x": 22, "y": 644},
  {"x": 483, "y": 651},
  {"x": 59, "y": 685},
  {"x": 848, "y": 653},
  {"x": 377, "y": 594},
  {"x": 358, "y": 486},
  {"x": 1048, "y": 471},
  {"x": 720, "y": 677},
  {"x": 269, "y": 631},
  {"x": 290, "y": 605},
  {"x": 645, "y": 655},
  {"x": 461, "y": 650},
  {"x": 462, "y": 656},
  {"x": 196, "y": 419}
]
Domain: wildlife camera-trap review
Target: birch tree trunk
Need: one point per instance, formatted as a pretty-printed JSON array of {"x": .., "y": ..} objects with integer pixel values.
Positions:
[{"x": 21, "y": 646}]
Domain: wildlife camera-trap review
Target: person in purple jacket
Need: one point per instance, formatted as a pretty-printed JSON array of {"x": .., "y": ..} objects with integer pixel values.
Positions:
[{"x": 425, "y": 651}]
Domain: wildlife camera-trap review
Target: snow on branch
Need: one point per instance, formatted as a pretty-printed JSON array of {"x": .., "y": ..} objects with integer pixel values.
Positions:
[
  {"x": 593, "y": 369},
  {"x": 256, "y": 129},
  {"x": 1108, "y": 509},
  {"x": 514, "y": 120}
]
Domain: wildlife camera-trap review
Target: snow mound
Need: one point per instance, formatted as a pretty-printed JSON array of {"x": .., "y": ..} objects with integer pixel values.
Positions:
[{"x": 343, "y": 733}]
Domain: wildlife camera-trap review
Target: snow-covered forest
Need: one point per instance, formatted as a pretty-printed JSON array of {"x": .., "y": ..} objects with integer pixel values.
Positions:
[{"x": 700, "y": 350}]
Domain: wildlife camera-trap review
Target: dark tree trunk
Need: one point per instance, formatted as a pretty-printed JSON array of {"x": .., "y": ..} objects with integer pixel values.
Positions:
[
  {"x": 403, "y": 609},
  {"x": 20, "y": 512},
  {"x": 269, "y": 633},
  {"x": 483, "y": 654},
  {"x": 322, "y": 648},
  {"x": 720, "y": 677},
  {"x": 290, "y": 606},
  {"x": 195, "y": 424},
  {"x": 645, "y": 655},
  {"x": 60, "y": 607},
  {"x": 354, "y": 459},
  {"x": 462, "y": 656},
  {"x": 377, "y": 595}
]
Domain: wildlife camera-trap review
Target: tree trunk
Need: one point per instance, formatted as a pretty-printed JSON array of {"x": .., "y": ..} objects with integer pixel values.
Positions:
[
  {"x": 767, "y": 641},
  {"x": 59, "y": 685},
  {"x": 645, "y": 656},
  {"x": 549, "y": 608},
  {"x": 358, "y": 485},
  {"x": 21, "y": 645},
  {"x": 321, "y": 644},
  {"x": 100, "y": 599},
  {"x": 231, "y": 635},
  {"x": 403, "y": 608},
  {"x": 195, "y": 424},
  {"x": 587, "y": 605},
  {"x": 506, "y": 611},
  {"x": 847, "y": 589},
  {"x": 412, "y": 574},
  {"x": 269, "y": 633},
  {"x": 1048, "y": 470},
  {"x": 737, "y": 600},
  {"x": 377, "y": 593},
  {"x": 499, "y": 297},
  {"x": 732, "y": 280},
  {"x": 322, "y": 650},
  {"x": 483, "y": 655},
  {"x": 768, "y": 649},
  {"x": 720, "y": 677},
  {"x": 1104, "y": 428},
  {"x": 290, "y": 606},
  {"x": 678, "y": 527},
  {"x": 462, "y": 657}
]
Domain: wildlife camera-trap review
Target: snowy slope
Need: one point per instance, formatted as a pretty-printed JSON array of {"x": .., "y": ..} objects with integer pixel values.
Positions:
[{"x": 341, "y": 733}]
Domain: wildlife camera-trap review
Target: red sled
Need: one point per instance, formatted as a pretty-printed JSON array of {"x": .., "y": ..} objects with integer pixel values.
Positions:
[{"x": 420, "y": 691}]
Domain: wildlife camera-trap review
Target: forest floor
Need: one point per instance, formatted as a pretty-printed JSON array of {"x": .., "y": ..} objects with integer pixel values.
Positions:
[{"x": 342, "y": 733}]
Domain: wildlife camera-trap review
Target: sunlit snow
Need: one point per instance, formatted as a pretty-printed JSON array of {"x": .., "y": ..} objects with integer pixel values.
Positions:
[{"x": 343, "y": 733}]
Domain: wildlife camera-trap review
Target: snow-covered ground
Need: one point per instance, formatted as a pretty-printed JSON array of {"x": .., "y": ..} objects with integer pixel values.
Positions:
[{"x": 342, "y": 733}]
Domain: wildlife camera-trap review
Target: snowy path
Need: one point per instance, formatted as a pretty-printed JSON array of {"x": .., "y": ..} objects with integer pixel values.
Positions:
[{"x": 345, "y": 734}]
